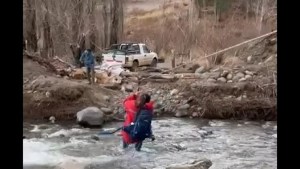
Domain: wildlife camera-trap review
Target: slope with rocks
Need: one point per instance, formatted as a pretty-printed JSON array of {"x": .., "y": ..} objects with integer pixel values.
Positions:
[
  {"x": 247, "y": 90},
  {"x": 239, "y": 90}
]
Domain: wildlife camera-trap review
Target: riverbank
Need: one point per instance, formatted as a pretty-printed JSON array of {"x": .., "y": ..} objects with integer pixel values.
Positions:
[
  {"x": 52, "y": 96},
  {"x": 243, "y": 87}
]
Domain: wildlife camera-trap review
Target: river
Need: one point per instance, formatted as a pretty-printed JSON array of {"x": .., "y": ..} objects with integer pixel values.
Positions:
[{"x": 228, "y": 144}]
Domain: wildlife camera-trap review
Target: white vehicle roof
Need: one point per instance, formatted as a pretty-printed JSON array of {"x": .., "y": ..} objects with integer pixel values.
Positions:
[{"x": 133, "y": 43}]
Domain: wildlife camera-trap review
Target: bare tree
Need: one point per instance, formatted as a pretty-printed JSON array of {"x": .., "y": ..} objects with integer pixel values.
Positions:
[
  {"x": 78, "y": 44},
  {"x": 92, "y": 26},
  {"x": 117, "y": 21},
  {"x": 105, "y": 15},
  {"x": 47, "y": 47},
  {"x": 29, "y": 20}
]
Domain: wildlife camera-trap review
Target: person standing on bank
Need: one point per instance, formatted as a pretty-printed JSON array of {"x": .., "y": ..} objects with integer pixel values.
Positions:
[{"x": 88, "y": 59}]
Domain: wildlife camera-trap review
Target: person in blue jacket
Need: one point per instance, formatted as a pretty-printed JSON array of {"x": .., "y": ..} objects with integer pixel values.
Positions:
[{"x": 88, "y": 59}]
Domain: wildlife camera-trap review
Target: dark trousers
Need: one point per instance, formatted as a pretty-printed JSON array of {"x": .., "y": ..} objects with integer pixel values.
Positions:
[
  {"x": 137, "y": 145},
  {"x": 90, "y": 74}
]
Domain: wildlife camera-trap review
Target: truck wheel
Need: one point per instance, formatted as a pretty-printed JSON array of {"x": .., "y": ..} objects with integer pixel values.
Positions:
[
  {"x": 135, "y": 66},
  {"x": 154, "y": 62}
]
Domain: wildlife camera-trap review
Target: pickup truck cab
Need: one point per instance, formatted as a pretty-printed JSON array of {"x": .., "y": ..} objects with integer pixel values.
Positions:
[{"x": 131, "y": 55}]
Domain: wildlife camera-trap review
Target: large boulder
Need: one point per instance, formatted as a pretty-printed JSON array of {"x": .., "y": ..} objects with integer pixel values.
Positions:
[
  {"x": 129, "y": 88},
  {"x": 214, "y": 75},
  {"x": 181, "y": 113},
  {"x": 174, "y": 92},
  {"x": 200, "y": 70},
  {"x": 182, "y": 110},
  {"x": 210, "y": 80},
  {"x": 224, "y": 73},
  {"x": 101, "y": 77},
  {"x": 222, "y": 79},
  {"x": 229, "y": 76},
  {"x": 90, "y": 116},
  {"x": 238, "y": 76},
  {"x": 107, "y": 111},
  {"x": 197, "y": 164},
  {"x": 78, "y": 74},
  {"x": 184, "y": 107}
]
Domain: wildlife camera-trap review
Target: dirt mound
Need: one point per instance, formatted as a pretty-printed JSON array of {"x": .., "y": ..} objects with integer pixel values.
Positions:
[
  {"x": 45, "y": 94},
  {"x": 51, "y": 96},
  {"x": 243, "y": 100},
  {"x": 239, "y": 101},
  {"x": 253, "y": 109},
  {"x": 33, "y": 69}
]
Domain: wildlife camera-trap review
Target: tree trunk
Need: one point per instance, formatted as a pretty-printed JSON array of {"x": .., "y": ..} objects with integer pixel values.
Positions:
[
  {"x": 262, "y": 14},
  {"x": 247, "y": 10},
  {"x": 106, "y": 24},
  {"x": 191, "y": 16},
  {"x": 78, "y": 49},
  {"x": 47, "y": 50},
  {"x": 92, "y": 36},
  {"x": 117, "y": 19},
  {"x": 257, "y": 9},
  {"x": 77, "y": 24},
  {"x": 78, "y": 39},
  {"x": 163, "y": 28},
  {"x": 30, "y": 25},
  {"x": 121, "y": 20},
  {"x": 216, "y": 10}
]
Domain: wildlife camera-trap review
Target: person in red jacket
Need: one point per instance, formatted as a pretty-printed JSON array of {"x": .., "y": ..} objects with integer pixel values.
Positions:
[{"x": 131, "y": 105}]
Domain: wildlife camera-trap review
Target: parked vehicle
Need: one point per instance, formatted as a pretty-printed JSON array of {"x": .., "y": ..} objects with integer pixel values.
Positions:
[{"x": 131, "y": 55}]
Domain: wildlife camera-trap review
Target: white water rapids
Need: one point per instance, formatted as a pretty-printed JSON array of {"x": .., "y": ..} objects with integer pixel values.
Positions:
[{"x": 232, "y": 144}]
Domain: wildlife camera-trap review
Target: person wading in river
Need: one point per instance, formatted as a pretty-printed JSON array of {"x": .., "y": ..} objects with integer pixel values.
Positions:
[
  {"x": 88, "y": 59},
  {"x": 137, "y": 125}
]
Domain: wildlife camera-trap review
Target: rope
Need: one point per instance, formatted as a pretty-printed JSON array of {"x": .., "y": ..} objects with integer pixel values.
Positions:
[{"x": 265, "y": 35}]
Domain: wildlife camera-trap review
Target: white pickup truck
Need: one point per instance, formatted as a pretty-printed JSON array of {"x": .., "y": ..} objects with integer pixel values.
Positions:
[{"x": 131, "y": 55}]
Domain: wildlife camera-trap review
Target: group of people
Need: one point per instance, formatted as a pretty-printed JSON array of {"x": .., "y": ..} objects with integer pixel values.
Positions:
[{"x": 138, "y": 110}]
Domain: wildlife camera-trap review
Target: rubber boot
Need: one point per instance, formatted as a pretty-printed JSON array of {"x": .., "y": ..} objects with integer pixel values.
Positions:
[
  {"x": 92, "y": 76},
  {"x": 89, "y": 75},
  {"x": 138, "y": 146},
  {"x": 125, "y": 145}
]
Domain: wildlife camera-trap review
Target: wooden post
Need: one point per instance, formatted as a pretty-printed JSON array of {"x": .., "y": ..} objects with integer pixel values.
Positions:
[
  {"x": 190, "y": 56},
  {"x": 173, "y": 59},
  {"x": 181, "y": 58}
]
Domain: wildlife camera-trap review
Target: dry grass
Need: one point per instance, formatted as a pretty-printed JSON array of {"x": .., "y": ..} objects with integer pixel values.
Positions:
[
  {"x": 171, "y": 31},
  {"x": 154, "y": 14}
]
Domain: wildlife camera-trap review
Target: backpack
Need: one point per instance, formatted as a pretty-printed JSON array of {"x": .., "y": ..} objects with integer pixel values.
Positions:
[{"x": 141, "y": 128}]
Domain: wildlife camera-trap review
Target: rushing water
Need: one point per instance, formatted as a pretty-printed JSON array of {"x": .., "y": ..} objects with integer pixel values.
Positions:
[{"x": 232, "y": 144}]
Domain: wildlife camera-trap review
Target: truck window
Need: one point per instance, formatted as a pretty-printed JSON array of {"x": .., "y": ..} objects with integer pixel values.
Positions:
[
  {"x": 124, "y": 47},
  {"x": 136, "y": 49},
  {"x": 130, "y": 49},
  {"x": 146, "y": 50}
]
